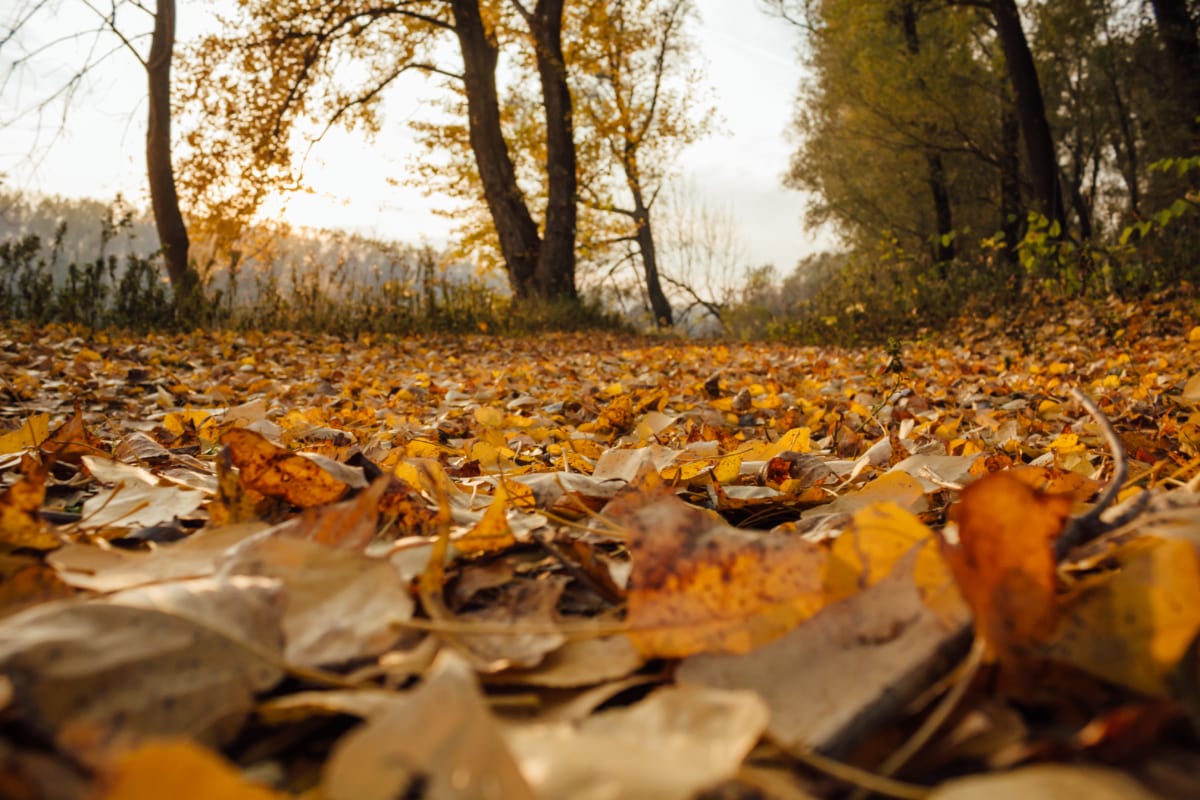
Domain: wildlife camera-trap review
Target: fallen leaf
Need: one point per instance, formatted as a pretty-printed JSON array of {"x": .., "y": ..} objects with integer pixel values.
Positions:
[
  {"x": 71, "y": 441},
  {"x": 178, "y": 769},
  {"x": 699, "y": 584},
  {"x": 90, "y": 676},
  {"x": 20, "y": 523},
  {"x": 846, "y": 671},
  {"x": 138, "y": 505},
  {"x": 33, "y": 432},
  {"x": 1134, "y": 625},
  {"x": 1045, "y": 782},
  {"x": 439, "y": 739},
  {"x": 673, "y": 744},
  {"x": 342, "y": 605},
  {"x": 1004, "y": 560},
  {"x": 277, "y": 472}
]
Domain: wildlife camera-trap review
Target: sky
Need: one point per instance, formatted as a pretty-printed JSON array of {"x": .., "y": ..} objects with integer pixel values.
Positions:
[{"x": 752, "y": 70}]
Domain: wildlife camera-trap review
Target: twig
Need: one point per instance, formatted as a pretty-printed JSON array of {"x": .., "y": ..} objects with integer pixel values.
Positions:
[
  {"x": 1089, "y": 526},
  {"x": 854, "y": 776}
]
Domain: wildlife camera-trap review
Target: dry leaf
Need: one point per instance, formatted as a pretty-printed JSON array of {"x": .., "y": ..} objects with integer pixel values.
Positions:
[
  {"x": 1004, "y": 560},
  {"x": 846, "y": 671},
  {"x": 439, "y": 739},
  {"x": 277, "y": 472},
  {"x": 1133, "y": 626},
  {"x": 701, "y": 585},
  {"x": 90, "y": 676},
  {"x": 673, "y": 744},
  {"x": 180, "y": 770}
]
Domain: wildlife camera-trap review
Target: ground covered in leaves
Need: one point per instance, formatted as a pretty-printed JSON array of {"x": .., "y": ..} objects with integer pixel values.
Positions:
[{"x": 256, "y": 566}]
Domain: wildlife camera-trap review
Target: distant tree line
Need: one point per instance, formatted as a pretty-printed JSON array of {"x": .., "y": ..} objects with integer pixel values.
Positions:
[{"x": 987, "y": 133}]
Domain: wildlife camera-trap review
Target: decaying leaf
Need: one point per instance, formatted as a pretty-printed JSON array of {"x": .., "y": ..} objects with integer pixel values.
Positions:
[{"x": 701, "y": 585}]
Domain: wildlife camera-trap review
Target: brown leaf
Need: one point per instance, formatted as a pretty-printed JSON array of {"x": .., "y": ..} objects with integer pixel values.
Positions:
[
  {"x": 71, "y": 441},
  {"x": 277, "y": 472}
]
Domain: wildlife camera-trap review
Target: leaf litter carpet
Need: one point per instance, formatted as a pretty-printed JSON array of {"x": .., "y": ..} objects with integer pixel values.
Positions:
[{"x": 261, "y": 566}]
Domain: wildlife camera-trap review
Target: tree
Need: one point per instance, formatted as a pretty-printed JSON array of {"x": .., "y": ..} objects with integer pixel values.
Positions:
[
  {"x": 1178, "y": 30},
  {"x": 303, "y": 49},
  {"x": 632, "y": 69},
  {"x": 899, "y": 125},
  {"x": 1031, "y": 110},
  {"x": 164, "y": 200}
]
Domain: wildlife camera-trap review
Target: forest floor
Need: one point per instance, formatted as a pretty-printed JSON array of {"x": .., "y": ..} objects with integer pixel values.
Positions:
[{"x": 266, "y": 565}]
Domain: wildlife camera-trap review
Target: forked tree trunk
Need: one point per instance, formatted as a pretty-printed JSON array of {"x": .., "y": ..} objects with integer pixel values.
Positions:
[
  {"x": 659, "y": 305},
  {"x": 518, "y": 233},
  {"x": 554, "y": 278}
]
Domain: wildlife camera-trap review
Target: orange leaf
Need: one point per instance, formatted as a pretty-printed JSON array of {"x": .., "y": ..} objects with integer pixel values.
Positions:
[
  {"x": 1004, "y": 561},
  {"x": 277, "y": 472},
  {"x": 178, "y": 770},
  {"x": 71, "y": 441},
  {"x": 700, "y": 585}
]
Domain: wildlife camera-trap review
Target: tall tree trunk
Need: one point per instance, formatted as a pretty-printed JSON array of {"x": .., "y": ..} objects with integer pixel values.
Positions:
[
  {"x": 659, "y": 305},
  {"x": 518, "y": 233},
  {"x": 1179, "y": 35},
  {"x": 1031, "y": 111},
  {"x": 943, "y": 245},
  {"x": 555, "y": 273},
  {"x": 164, "y": 199},
  {"x": 1011, "y": 217}
]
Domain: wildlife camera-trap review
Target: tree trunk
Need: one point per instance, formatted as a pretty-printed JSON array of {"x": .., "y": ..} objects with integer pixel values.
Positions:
[
  {"x": 1031, "y": 111},
  {"x": 659, "y": 305},
  {"x": 1011, "y": 217},
  {"x": 555, "y": 273},
  {"x": 943, "y": 245},
  {"x": 1179, "y": 35},
  {"x": 164, "y": 199},
  {"x": 518, "y": 233}
]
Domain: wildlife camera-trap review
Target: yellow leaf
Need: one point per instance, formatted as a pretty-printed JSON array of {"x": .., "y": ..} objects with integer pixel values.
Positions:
[
  {"x": 20, "y": 525},
  {"x": 489, "y": 416},
  {"x": 492, "y": 532},
  {"x": 31, "y": 434},
  {"x": 276, "y": 472},
  {"x": 864, "y": 554},
  {"x": 1134, "y": 627}
]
